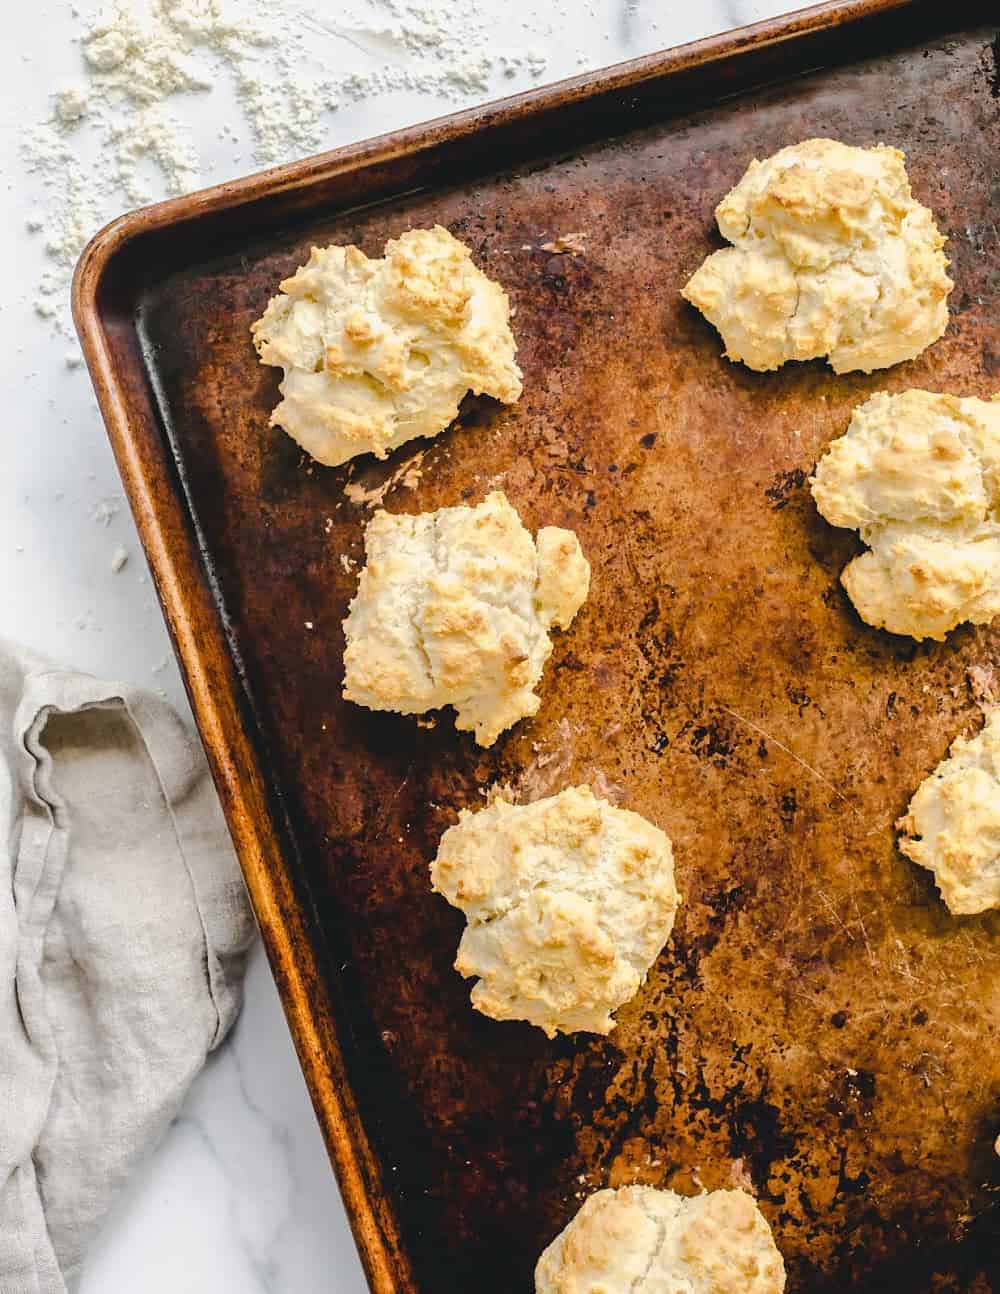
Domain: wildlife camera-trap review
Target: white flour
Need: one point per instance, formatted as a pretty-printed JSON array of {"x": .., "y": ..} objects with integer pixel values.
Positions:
[{"x": 123, "y": 133}]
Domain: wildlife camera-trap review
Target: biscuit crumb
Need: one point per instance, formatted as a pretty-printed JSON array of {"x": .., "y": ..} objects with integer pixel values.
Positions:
[
  {"x": 983, "y": 686},
  {"x": 740, "y": 1176},
  {"x": 566, "y": 244}
]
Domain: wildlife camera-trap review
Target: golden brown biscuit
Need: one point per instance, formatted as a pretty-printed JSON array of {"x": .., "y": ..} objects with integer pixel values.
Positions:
[
  {"x": 639, "y": 1240},
  {"x": 454, "y": 608},
  {"x": 377, "y": 352},
  {"x": 831, "y": 255},
  {"x": 569, "y": 902},
  {"x": 918, "y": 475},
  {"x": 952, "y": 825}
]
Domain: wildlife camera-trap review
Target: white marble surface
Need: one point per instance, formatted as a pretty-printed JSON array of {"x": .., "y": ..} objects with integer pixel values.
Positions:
[{"x": 239, "y": 1198}]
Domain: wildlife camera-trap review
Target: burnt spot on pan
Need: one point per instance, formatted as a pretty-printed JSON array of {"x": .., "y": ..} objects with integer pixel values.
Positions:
[{"x": 784, "y": 486}]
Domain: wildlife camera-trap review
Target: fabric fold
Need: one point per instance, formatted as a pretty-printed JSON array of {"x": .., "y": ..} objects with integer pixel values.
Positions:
[{"x": 124, "y": 926}]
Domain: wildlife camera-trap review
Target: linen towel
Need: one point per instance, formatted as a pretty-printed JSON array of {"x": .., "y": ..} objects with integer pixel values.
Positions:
[{"x": 124, "y": 927}]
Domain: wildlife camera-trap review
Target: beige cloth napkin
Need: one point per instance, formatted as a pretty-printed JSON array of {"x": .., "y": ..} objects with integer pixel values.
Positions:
[{"x": 124, "y": 926}]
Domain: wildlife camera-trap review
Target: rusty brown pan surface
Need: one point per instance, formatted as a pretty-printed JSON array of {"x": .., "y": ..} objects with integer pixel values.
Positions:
[{"x": 819, "y": 1028}]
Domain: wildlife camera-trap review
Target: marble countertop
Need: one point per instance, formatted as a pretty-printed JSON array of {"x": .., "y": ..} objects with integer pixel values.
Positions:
[{"x": 240, "y": 1196}]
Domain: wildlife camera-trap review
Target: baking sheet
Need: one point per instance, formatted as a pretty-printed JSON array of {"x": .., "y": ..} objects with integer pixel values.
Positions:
[{"x": 819, "y": 1029}]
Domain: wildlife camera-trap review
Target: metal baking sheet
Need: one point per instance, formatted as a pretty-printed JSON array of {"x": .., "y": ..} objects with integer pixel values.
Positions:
[{"x": 819, "y": 1029}]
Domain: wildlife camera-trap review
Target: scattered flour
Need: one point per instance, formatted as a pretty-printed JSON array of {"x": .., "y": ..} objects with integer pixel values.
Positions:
[
  {"x": 105, "y": 511},
  {"x": 70, "y": 105},
  {"x": 122, "y": 133}
]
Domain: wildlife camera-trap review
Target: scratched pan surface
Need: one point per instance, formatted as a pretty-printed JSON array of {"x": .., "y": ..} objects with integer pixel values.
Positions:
[{"x": 819, "y": 1029}]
